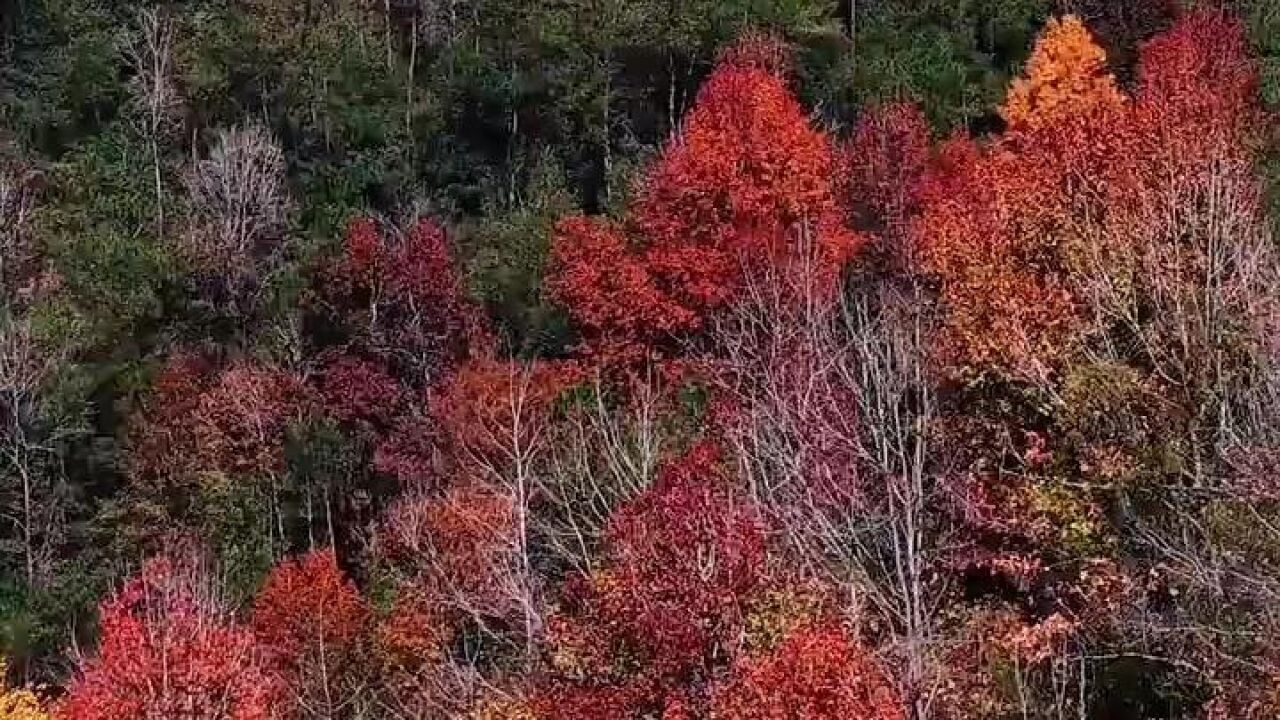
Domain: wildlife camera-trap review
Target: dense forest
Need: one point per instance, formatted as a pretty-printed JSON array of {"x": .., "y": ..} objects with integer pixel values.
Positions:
[{"x": 639, "y": 360}]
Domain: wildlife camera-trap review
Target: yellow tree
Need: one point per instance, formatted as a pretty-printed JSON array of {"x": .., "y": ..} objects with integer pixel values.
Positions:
[
  {"x": 18, "y": 703},
  {"x": 1066, "y": 75}
]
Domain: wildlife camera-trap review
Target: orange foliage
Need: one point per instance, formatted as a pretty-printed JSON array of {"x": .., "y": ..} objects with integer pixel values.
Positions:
[
  {"x": 459, "y": 548},
  {"x": 816, "y": 673},
  {"x": 490, "y": 409},
  {"x": 307, "y": 620},
  {"x": 991, "y": 234},
  {"x": 1000, "y": 225},
  {"x": 1067, "y": 75},
  {"x": 415, "y": 632},
  {"x": 18, "y": 703}
]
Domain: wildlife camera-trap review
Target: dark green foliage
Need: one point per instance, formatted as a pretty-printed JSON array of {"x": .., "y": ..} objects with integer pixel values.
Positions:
[
  {"x": 507, "y": 252},
  {"x": 953, "y": 58}
]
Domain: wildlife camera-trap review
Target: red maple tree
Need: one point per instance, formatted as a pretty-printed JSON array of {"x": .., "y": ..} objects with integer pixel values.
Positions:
[
  {"x": 881, "y": 168},
  {"x": 649, "y": 628},
  {"x": 170, "y": 649},
  {"x": 816, "y": 673},
  {"x": 398, "y": 297},
  {"x": 199, "y": 418},
  {"x": 744, "y": 193}
]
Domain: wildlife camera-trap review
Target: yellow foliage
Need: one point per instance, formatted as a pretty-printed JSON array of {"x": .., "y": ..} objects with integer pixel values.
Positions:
[
  {"x": 18, "y": 703},
  {"x": 1066, "y": 75},
  {"x": 503, "y": 710},
  {"x": 777, "y": 614}
]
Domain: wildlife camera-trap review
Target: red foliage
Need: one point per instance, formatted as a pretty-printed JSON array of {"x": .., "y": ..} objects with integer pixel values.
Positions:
[
  {"x": 170, "y": 650},
  {"x": 566, "y": 702},
  {"x": 307, "y": 620},
  {"x": 743, "y": 193},
  {"x": 399, "y": 297},
  {"x": 1198, "y": 92},
  {"x": 364, "y": 259},
  {"x": 196, "y": 420},
  {"x": 476, "y": 420},
  {"x": 459, "y": 549},
  {"x": 361, "y": 394},
  {"x": 682, "y": 560},
  {"x": 240, "y": 423},
  {"x": 685, "y": 554},
  {"x": 611, "y": 293},
  {"x": 161, "y": 444},
  {"x": 882, "y": 166},
  {"x": 730, "y": 196},
  {"x": 816, "y": 673},
  {"x": 408, "y": 452}
]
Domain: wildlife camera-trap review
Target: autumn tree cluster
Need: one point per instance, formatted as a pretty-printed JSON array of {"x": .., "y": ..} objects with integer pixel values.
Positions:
[{"x": 846, "y": 419}]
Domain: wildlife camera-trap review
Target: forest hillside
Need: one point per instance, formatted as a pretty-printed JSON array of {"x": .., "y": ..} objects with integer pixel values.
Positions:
[{"x": 639, "y": 360}]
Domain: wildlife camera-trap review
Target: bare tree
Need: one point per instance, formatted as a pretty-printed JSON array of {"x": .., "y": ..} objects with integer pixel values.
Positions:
[
  {"x": 240, "y": 205},
  {"x": 601, "y": 456},
  {"x": 18, "y": 188},
  {"x": 31, "y": 435},
  {"x": 1185, "y": 296},
  {"x": 154, "y": 89},
  {"x": 835, "y": 441},
  {"x": 1185, "y": 290},
  {"x": 32, "y": 473}
]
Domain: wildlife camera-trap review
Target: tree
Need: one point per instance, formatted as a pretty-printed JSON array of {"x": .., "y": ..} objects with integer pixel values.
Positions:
[
  {"x": 201, "y": 419},
  {"x": 396, "y": 296},
  {"x": 745, "y": 188},
  {"x": 649, "y": 629},
  {"x": 241, "y": 211},
  {"x": 19, "y": 190},
  {"x": 611, "y": 294},
  {"x": 464, "y": 595},
  {"x": 815, "y": 673},
  {"x": 18, "y": 703},
  {"x": 154, "y": 92},
  {"x": 34, "y": 488},
  {"x": 170, "y": 648},
  {"x": 207, "y": 449},
  {"x": 1066, "y": 75},
  {"x": 362, "y": 395},
  {"x": 881, "y": 167},
  {"x": 36, "y": 429},
  {"x": 1000, "y": 225},
  {"x": 459, "y": 545},
  {"x": 308, "y": 622}
]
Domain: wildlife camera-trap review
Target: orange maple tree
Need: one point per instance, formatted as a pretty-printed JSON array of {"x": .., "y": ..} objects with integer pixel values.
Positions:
[
  {"x": 1067, "y": 75},
  {"x": 1000, "y": 222},
  {"x": 307, "y": 621}
]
